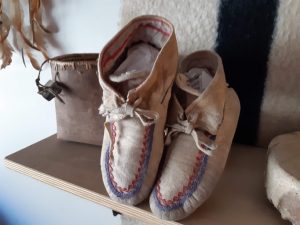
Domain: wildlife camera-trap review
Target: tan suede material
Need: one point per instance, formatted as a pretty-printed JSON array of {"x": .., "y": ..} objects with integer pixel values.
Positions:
[
  {"x": 150, "y": 97},
  {"x": 189, "y": 175},
  {"x": 209, "y": 106},
  {"x": 78, "y": 119}
]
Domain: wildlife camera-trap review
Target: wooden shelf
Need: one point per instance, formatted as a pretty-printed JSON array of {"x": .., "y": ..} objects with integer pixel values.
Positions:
[{"x": 238, "y": 199}]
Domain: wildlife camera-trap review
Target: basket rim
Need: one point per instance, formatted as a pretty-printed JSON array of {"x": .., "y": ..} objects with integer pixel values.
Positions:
[{"x": 75, "y": 58}]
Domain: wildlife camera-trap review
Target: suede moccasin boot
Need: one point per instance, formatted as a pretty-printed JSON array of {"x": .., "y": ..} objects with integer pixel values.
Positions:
[
  {"x": 203, "y": 116},
  {"x": 136, "y": 72}
]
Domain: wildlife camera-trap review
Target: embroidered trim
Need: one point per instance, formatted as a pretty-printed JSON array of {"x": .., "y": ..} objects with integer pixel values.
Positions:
[
  {"x": 138, "y": 21},
  {"x": 149, "y": 26},
  {"x": 141, "y": 161},
  {"x": 187, "y": 190},
  {"x": 136, "y": 183}
]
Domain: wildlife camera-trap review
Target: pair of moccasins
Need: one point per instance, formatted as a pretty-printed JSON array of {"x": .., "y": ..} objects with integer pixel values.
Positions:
[{"x": 192, "y": 120}]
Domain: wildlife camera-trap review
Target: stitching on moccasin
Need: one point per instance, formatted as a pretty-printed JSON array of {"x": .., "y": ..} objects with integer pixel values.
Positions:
[
  {"x": 194, "y": 180},
  {"x": 136, "y": 183},
  {"x": 104, "y": 62}
]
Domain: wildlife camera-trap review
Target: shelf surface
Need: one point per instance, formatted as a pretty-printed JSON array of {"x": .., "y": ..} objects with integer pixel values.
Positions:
[{"x": 239, "y": 198}]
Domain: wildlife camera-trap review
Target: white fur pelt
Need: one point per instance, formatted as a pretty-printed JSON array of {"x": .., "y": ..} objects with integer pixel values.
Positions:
[
  {"x": 184, "y": 16},
  {"x": 280, "y": 110},
  {"x": 196, "y": 26}
]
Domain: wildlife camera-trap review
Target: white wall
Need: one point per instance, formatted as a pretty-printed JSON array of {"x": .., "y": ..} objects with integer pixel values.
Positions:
[{"x": 25, "y": 118}]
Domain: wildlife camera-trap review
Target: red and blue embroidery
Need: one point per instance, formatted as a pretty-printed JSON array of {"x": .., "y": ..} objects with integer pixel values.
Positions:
[
  {"x": 187, "y": 190},
  {"x": 136, "y": 184}
]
